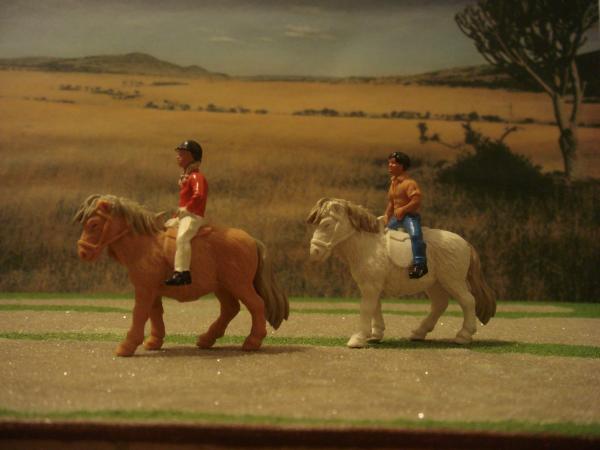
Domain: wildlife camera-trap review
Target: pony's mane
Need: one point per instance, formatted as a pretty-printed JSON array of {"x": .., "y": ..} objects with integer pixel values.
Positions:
[
  {"x": 142, "y": 220},
  {"x": 359, "y": 216}
]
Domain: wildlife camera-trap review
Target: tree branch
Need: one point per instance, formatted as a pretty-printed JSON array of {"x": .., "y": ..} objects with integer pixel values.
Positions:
[
  {"x": 507, "y": 131},
  {"x": 577, "y": 94}
]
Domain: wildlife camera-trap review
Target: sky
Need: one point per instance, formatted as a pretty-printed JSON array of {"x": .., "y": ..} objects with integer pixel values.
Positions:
[{"x": 249, "y": 37}]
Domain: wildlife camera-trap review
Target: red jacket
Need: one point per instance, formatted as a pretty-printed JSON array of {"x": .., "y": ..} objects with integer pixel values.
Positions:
[{"x": 193, "y": 193}]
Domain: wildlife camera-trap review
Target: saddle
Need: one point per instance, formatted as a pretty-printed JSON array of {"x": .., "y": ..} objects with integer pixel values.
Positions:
[{"x": 399, "y": 247}]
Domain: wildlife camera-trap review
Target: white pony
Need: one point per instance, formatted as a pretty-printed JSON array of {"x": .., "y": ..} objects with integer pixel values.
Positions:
[{"x": 360, "y": 239}]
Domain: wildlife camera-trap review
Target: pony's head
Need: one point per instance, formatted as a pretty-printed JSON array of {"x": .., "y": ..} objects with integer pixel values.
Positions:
[
  {"x": 106, "y": 219},
  {"x": 336, "y": 221}
]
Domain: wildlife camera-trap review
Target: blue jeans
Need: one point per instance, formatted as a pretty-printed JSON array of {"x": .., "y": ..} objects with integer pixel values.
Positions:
[{"x": 412, "y": 225}]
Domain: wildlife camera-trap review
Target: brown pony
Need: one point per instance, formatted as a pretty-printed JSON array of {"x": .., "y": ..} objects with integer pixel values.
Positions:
[{"x": 226, "y": 261}]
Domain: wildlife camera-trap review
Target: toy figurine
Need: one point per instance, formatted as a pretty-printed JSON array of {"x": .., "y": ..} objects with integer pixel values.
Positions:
[
  {"x": 226, "y": 261},
  {"x": 404, "y": 199},
  {"x": 193, "y": 190},
  {"x": 374, "y": 255}
]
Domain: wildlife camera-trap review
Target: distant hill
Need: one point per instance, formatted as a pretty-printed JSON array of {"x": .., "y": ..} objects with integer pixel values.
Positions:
[
  {"x": 488, "y": 76},
  {"x": 485, "y": 76},
  {"x": 131, "y": 63},
  {"x": 472, "y": 76}
]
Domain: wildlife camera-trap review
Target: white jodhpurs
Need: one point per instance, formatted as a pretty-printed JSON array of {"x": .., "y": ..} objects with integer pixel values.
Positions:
[{"x": 188, "y": 227}]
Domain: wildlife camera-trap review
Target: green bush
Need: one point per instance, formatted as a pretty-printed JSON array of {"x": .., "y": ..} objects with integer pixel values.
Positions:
[{"x": 494, "y": 169}]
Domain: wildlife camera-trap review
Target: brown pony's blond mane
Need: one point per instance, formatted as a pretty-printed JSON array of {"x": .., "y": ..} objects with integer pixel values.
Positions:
[
  {"x": 142, "y": 220},
  {"x": 359, "y": 216}
]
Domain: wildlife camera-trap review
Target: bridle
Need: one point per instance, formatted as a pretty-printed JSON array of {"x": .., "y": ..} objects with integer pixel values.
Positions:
[
  {"x": 329, "y": 245},
  {"x": 103, "y": 241}
]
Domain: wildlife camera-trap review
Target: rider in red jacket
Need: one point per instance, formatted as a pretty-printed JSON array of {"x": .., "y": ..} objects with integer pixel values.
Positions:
[{"x": 193, "y": 192}]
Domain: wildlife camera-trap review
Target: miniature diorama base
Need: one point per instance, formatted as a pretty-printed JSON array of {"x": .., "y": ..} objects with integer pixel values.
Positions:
[{"x": 59, "y": 366}]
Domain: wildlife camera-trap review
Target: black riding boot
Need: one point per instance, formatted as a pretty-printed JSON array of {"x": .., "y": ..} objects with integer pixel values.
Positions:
[
  {"x": 417, "y": 270},
  {"x": 179, "y": 279}
]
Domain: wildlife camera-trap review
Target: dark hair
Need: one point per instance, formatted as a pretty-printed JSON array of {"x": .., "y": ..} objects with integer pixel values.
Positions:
[
  {"x": 401, "y": 158},
  {"x": 193, "y": 147}
]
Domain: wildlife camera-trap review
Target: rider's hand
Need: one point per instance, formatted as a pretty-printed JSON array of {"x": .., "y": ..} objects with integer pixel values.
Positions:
[{"x": 172, "y": 222}]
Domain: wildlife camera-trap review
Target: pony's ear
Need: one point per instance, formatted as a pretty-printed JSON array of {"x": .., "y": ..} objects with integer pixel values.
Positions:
[
  {"x": 104, "y": 206},
  {"x": 313, "y": 215}
]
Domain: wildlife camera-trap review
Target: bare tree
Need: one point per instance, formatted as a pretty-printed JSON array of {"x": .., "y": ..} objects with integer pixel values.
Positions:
[{"x": 537, "y": 40}]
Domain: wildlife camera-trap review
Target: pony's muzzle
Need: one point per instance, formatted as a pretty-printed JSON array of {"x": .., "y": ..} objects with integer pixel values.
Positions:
[
  {"x": 85, "y": 255},
  {"x": 87, "y": 252},
  {"x": 318, "y": 253}
]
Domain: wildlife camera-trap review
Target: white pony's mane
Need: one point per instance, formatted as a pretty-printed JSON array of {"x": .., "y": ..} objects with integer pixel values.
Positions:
[
  {"x": 359, "y": 216},
  {"x": 142, "y": 220}
]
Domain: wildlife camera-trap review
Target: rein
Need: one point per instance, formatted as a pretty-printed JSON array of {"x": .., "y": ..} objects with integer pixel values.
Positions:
[{"x": 103, "y": 242}]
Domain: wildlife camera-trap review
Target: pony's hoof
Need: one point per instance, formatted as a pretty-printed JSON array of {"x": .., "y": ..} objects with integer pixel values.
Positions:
[
  {"x": 357, "y": 341},
  {"x": 418, "y": 335},
  {"x": 153, "y": 343},
  {"x": 376, "y": 336},
  {"x": 252, "y": 344},
  {"x": 124, "y": 349},
  {"x": 205, "y": 341},
  {"x": 463, "y": 337}
]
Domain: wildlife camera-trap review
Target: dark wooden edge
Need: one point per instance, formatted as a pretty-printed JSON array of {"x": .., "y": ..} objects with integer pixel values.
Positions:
[{"x": 228, "y": 436}]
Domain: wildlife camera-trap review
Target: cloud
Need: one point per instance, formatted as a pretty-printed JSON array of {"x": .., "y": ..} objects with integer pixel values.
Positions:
[
  {"x": 306, "y": 10},
  {"x": 306, "y": 32},
  {"x": 224, "y": 39}
]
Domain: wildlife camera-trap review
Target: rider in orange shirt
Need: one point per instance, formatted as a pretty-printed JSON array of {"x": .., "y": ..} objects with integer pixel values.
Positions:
[{"x": 404, "y": 199}]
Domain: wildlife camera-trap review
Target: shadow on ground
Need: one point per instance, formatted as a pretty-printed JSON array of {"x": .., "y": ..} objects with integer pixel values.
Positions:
[
  {"x": 494, "y": 346},
  {"x": 226, "y": 351},
  {"x": 406, "y": 344}
]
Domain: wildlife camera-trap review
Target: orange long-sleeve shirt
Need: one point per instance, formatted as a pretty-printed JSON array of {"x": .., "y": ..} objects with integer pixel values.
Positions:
[{"x": 404, "y": 196}]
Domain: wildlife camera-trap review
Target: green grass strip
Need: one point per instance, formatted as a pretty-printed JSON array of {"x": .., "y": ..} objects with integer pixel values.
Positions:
[
  {"x": 424, "y": 300},
  {"x": 65, "y": 308},
  {"x": 513, "y": 426},
  {"x": 64, "y": 336},
  {"x": 576, "y": 310},
  {"x": 485, "y": 346},
  {"x": 329, "y": 311},
  {"x": 560, "y": 350},
  {"x": 590, "y": 313},
  {"x": 63, "y": 296}
]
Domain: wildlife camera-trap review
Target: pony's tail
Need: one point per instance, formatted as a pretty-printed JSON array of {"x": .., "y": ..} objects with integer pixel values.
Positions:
[
  {"x": 277, "y": 307},
  {"x": 485, "y": 298}
]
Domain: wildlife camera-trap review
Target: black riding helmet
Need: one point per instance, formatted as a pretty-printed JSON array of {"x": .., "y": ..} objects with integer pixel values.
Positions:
[
  {"x": 193, "y": 147},
  {"x": 401, "y": 158}
]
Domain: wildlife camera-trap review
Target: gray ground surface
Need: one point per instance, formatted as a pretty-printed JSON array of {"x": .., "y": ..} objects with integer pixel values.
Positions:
[{"x": 298, "y": 381}]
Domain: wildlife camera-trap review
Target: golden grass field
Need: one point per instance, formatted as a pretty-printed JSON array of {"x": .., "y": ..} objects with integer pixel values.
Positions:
[
  {"x": 108, "y": 121},
  {"x": 265, "y": 171}
]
